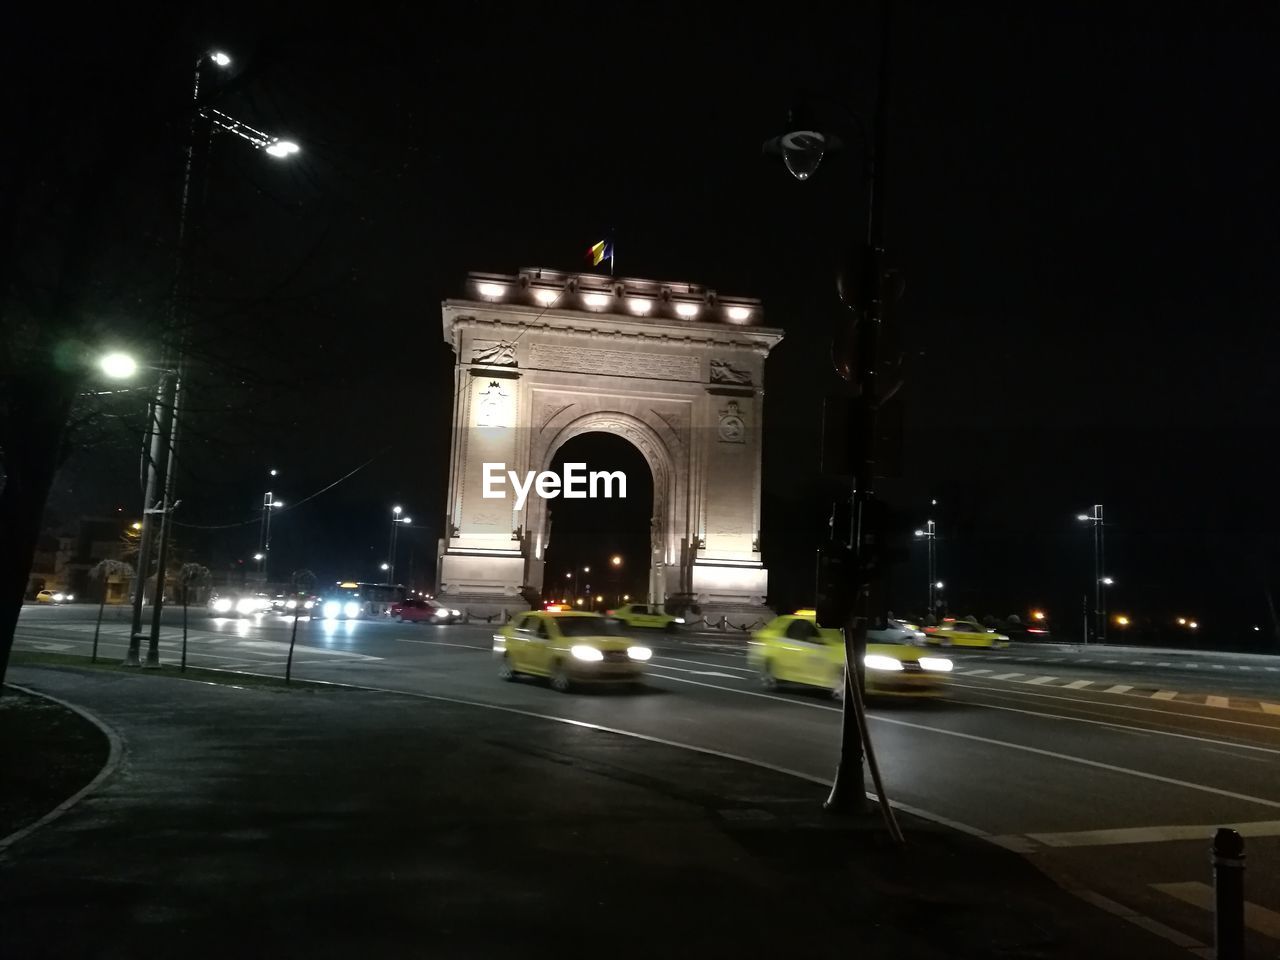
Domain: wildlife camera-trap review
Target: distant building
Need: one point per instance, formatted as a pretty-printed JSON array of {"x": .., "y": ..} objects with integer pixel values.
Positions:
[{"x": 64, "y": 558}]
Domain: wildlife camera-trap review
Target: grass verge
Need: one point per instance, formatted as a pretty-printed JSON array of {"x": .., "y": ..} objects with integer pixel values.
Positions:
[
  {"x": 30, "y": 658},
  {"x": 47, "y": 753}
]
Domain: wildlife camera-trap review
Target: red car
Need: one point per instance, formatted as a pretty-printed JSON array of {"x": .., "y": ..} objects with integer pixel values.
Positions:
[{"x": 420, "y": 610}]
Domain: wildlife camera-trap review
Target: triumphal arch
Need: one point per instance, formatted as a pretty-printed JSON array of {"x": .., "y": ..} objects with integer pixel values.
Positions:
[{"x": 676, "y": 369}]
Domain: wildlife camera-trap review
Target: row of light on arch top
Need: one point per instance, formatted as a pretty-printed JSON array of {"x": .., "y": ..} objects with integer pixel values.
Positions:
[{"x": 595, "y": 300}]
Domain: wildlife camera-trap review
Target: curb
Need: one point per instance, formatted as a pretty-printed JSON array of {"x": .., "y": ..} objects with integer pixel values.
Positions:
[{"x": 115, "y": 756}]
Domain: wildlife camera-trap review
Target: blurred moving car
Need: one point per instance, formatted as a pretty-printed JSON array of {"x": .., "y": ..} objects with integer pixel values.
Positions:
[
  {"x": 1036, "y": 629},
  {"x": 895, "y": 631},
  {"x": 794, "y": 649},
  {"x": 54, "y": 597},
  {"x": 964, "y": 633},
  {"x": 569, "y": 647},
  {"x": 421, "y": 610},
  {"x": 238, "y": 605},
  {"x": 290, "y": 603},
  {"x": 646, "y": 615}
]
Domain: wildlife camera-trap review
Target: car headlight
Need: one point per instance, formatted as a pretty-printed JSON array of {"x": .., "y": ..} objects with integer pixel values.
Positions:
[
  {"x": 679, "y": 620},
  {"x": 308, "y": 605},
  {"x": 639, "y": 653},
  {"x": 222, "y": 605},
  {"x": 351, "y": 609},
  {"x": 59, "y": 597},
  {"x": 246, "y": 605},
  {"x": 70, "y": 597},
  {"x": 291, "y": 604},
  {"x": 581, "y": 651},
  {"x": 940, "y": 664},
  {"x": 878, "y": 661},
  {"x": 441, "y": 612},
  {"x": 456, "y": 613},
  {"x": 331, "y": 609}
]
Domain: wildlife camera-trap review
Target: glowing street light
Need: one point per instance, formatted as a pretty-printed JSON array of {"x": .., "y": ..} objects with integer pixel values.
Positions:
[
  {"x": 1193, "y": 625},
  {"x": 118, "y": 366},
  {"x": 396, "y": 520},
  {"x": 1037, "y": 614},
  {"x": 1121, "y": 620},
  {"x": 220, "y": 58},
  {"x": 1182, "y": 621},
  {"x": 616, "y": 560},
  {"x": 282, "y": 148},
  {"x": 1099, "y": 564},
  {"x": 258, "y": 557}
]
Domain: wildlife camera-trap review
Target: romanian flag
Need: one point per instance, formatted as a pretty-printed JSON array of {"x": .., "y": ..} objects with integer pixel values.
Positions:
[{"x": 600, "y": 252}]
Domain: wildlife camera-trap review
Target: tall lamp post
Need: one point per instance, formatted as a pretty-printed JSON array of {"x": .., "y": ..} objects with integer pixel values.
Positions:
[
  {"x": 855, "y": 353},
  {"x": 396, "y": 520},
  {"x": 616, "y": 562},
  {"x": 269, "y": 503},
  {"x": 1100, "y": 579},
  {"x": 929, "y": 534},
  {"x": 162, "y": 428}
]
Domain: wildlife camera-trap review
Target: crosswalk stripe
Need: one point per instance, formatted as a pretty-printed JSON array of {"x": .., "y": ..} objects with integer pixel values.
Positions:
[
  {"x": 974, "y": 673},
  {"x": 1119, "y": 688},
  {"x": 1077, "y": 684},
  {"x": 1040, "y": 680},
  {"x": 1164, "y": 695},
  {"x": 1270, "y": 707},
  {"x": 1005, "y": 676},
  {"x": 1212, "y": 701},
  {"x": 1256, "y": 918}
]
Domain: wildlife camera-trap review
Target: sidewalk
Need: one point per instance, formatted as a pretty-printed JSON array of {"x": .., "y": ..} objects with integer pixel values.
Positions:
[{"x": 336, "y": 823}]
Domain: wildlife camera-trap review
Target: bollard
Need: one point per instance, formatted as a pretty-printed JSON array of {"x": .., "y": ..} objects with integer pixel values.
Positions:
[{"x": 1228, "y": 894}]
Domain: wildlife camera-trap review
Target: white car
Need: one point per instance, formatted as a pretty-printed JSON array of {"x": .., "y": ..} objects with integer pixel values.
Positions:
[{"x": 896, "y": 631}]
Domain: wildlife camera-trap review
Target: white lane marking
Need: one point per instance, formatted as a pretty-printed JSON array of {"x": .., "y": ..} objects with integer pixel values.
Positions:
[
  {"x": 1175, "y": 937},
  {"x": 1118, "y": 688},
  {"x": 1016, "y": 692},
  {"x": 1272, "y": 669},
  {"x": 1215, "y": 701},
  {"x": 1138, "y": 663},
  {"x": 1040, "y": 680},
  {"x": 704, "y": 663},
  {"x": 1084, "y": 761},
  {"x": 1005, "y": 676},
  {"x": 1077, "y": 684},
  {"x": 974, "y": 673},
  {"x": 1164, "y": 694},
  {"x": 1270, "y": 707},
  {"x": 763, "y": 764},
  {"x": 700, "y": 673},
  {"x": 1256, "y": 918},
  {"x": 1125, "y": 726},
  {"x": 1158, "y": 834},
  {"x": 439, "y": 643},
  {"x": 1217, "y": 666},
  {"x": 1164, "y": 663}
]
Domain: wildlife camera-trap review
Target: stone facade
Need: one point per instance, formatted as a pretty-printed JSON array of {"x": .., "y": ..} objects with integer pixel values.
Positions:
[{"x": 543, "y": 357}]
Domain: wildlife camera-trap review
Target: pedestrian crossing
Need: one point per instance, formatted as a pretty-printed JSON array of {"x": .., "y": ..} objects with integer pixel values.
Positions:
[{"x": 1124, "y": 689}]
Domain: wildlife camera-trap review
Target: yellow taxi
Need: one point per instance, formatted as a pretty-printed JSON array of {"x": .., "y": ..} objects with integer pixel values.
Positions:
[
  {"x": 646, "y": 615},
  {"x": 569, "y": 647},
  {"x": 964, "y": 633},
  {"x": 794, "y": 649}
]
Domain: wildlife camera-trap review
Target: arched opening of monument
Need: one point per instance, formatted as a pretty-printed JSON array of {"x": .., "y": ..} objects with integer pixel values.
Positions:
[{"x": 587, "y": 536}]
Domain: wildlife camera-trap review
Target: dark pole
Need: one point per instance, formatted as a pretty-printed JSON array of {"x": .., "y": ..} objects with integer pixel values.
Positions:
[
  {"x": 848, "y": 793},
  {"x": 1102, "y": 573},
  {"x": 1228, "y": 894},
  {"x": 154, "y": 449},
  {"x": 185, "y": 599}
]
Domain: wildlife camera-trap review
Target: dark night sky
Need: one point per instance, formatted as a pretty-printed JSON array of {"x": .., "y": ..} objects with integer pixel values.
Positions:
[{"x": 1082, "y": 199}]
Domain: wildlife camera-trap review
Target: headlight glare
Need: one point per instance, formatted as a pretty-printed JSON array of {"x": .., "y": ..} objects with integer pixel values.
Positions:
[
  {"x": 351, "y": 609},
  {"x": 222, "y": 605},
  {"x": 639, "y": 653},
  {"x": 331, "y": 608},
  {"x": 940, "y": 664},
  {"x": 878, "y": 661},
  {"x": 581, "y": 651}
]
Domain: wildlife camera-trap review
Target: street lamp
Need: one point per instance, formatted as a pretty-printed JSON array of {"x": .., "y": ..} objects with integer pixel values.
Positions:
[
  {"x": 118, "y": 366},
  {"x": 269, "y": 503},
  {"x": 856, "y": 359},
  {"x": 164, "y": 420},
  {"x": 1100, "y": 580},
  {"x": 929, "y": 534},
  {"x": 396, "y": 520}
]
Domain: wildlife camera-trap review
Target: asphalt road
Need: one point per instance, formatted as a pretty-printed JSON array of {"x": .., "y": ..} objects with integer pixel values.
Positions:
[{"x": 1108, "y": 767}]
